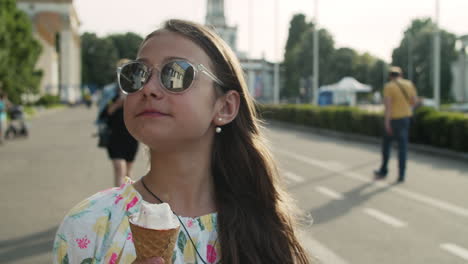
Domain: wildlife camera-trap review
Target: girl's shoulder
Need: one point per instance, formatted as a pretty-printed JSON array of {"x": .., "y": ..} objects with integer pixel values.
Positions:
[
  {"x": 90, "y": 228},
  {"x": 107, "y": 203}
]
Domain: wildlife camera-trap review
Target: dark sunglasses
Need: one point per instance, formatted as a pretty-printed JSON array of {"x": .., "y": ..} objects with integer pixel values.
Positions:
[{"x": 175, "y": 76}]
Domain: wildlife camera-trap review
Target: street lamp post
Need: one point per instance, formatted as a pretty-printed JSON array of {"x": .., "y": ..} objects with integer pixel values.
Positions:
[
  {"x": 410, "y": 57},
  {"x": 437, "y": 58},
  {"x": 316, "y": 56},
  {"x": 250, "y": 29},
  {"x": 463, "y": 72},
  {"x": 384, "y": 75},
  {"x": 276, "y": 69}
]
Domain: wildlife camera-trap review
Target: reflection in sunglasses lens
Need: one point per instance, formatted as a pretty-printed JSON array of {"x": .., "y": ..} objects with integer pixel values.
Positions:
[{"x": 177, "y": 76}]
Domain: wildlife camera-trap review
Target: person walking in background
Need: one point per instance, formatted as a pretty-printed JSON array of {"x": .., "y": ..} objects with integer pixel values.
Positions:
[
  {"x": 399, "y": 98},
  {"x": 4, "y": 108},
  {"x": 121, "y": 146},
  {"x": 188, "y": 101},
  {"x": 3, "y": 115}
]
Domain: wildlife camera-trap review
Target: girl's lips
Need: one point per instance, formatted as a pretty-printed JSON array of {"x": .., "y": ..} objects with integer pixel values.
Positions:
[{"x": 151, "y": 114}]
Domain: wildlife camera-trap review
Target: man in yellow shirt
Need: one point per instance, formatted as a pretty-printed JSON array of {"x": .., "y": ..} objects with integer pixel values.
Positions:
[{"x": 399, "y": 97}]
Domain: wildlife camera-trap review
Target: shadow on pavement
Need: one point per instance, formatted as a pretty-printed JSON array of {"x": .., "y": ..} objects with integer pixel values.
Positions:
[
  {"x": 337, "y": 208},
  {"x": 27, "y": 246},
  {"x": 339, "y": 173}
]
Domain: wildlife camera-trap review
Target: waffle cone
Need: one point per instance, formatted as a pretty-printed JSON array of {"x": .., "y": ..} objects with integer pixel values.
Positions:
[{"x": 154, "y": 243}]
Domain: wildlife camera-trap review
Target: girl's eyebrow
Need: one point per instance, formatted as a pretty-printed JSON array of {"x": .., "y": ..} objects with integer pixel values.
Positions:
[
  {"x": 170, "y": 58},
  {"x": 166, "y": 59},
  {"x": 143, "y": 60}
]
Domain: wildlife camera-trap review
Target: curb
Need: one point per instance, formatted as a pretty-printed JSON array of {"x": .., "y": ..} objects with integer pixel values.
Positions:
[{"x": 462, "y": 156}]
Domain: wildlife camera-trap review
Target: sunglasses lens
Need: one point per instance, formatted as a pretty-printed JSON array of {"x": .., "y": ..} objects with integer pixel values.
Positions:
[
  {"x": 133, "y": 76},
  {"x": 177, "y": 76}
]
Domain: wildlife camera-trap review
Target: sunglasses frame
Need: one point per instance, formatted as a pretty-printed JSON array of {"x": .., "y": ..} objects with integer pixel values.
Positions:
[{"x": 198, "y": 68}]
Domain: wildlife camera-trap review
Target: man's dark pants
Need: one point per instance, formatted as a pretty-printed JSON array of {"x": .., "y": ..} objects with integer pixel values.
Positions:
[{"x": 400, "y": 129}]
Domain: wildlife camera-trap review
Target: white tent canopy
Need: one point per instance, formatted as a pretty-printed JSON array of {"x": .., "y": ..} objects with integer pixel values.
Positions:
[
  {"x": 347, "y": 84},
  {"x": 344, "y": 91}
]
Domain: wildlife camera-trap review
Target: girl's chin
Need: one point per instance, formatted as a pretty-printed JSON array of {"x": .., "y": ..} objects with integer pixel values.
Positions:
[{"x": 155, "y": 140}]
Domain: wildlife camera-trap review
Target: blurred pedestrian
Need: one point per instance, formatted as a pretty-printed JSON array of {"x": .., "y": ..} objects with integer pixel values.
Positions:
[
  {"x": 121, "y": 146},
  {"x": 189, "y": 103},
  {"x": 399, "y": 98},
  {"x": 87, "y": 99},
  {"x": 4, "y": 108}
]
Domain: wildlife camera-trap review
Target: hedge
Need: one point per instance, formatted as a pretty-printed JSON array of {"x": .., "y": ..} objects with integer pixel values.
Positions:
[
  {"x": 48, "y": 100},
  {"x": 428, "y": 126}
]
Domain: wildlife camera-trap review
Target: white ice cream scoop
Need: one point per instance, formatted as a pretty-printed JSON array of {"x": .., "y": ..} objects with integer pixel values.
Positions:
[
  {"x": 155, "y": 216},
  {"x": 154, "y": 229}
]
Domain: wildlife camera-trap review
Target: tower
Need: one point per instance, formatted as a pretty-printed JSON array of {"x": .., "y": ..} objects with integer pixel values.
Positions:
[
  {"x": 215, "y": 13},
  {"x": 258, "y": 72},
  {"x": 216, "y": 19}
]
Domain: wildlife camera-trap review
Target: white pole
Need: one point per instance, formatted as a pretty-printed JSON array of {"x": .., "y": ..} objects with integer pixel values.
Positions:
[
  {"x": 384, "y": 75},
  {"x": 410, "y": 58},
  {"x": 276, "y": 70},
  {"x": 316, "y": 56},
  {"x": 437, "y": 59},
  {"x": 250, "y": 29},
  {"x": 463, "y": 72}
]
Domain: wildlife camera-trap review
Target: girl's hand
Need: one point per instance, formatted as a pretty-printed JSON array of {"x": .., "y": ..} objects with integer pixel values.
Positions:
[{"x": 155, "y": 260}]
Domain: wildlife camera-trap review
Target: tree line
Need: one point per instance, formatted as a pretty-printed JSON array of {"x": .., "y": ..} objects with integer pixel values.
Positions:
[
  {"x": 101, "y": 54},
  {"x": 414, "y": 55},
  {"x": 19, "y": 52}
]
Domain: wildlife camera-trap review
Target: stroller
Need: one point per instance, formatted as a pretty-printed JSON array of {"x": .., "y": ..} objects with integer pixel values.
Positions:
[{"x": 17, "y": 126}]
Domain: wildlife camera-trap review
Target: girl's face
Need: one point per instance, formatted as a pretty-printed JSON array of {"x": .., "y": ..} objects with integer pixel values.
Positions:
[{"x": 153, "y": 115}]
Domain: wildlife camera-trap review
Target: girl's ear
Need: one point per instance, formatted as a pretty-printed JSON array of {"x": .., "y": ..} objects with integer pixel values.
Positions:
[{"x": 228, "y": 109}]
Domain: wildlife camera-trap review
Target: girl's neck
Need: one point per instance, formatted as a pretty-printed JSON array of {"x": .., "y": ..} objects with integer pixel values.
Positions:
[{"x": 183, "y": 180}]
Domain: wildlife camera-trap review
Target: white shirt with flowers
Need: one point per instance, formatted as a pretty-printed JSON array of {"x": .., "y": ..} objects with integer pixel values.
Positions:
[{"x": 97, "y": 231}]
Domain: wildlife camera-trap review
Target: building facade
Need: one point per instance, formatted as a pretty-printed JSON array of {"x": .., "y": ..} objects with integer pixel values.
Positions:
[
  {"x": 259, "y": 73},
  {"x": 55, "y": 26}
]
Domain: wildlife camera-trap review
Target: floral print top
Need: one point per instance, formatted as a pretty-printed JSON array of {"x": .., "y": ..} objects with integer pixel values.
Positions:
[{"x": 97, "y": 231}]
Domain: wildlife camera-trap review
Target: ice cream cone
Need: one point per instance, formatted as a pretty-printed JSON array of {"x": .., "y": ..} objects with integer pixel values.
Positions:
[{"x": 153, "y": 242}]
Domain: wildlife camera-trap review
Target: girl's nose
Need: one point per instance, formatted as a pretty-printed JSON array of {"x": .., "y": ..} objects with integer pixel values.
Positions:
[{"x": 153, "y": 88}]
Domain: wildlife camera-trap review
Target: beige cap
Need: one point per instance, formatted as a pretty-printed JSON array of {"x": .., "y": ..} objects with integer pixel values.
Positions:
[{"x": 395, "y": 69}]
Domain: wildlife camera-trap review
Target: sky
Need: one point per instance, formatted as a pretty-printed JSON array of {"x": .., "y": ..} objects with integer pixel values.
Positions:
[{"x": 374, "y": 26}]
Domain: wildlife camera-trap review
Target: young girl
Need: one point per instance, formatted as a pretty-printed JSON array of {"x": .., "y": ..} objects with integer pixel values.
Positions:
[{"x": 187, "y": 100}]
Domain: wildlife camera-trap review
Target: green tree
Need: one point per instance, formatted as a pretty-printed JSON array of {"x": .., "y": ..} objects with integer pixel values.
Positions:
[
  {"x": 298, "y": 26},
  {"x": 99, "y": 58},
  {"x": 334, "y": 63},
  {"x": 377, "y": 75},
  {"x": 298, "y": 61},
  {"x": 415, "y": 57},
  {"x": 305, "y": 56},
  {"x": 364, "y": 64},
  {"x": 344, "y": 63},
  {"x": 19, "y": 52},
  {"x": 127, "y": 44}
]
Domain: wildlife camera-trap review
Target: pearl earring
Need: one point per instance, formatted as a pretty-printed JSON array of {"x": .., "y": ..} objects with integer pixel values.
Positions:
[{"x": 218, "y": 129}]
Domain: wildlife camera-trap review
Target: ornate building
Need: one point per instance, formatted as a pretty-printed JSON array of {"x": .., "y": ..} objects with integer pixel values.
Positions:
[
  {"x": 55, "y": 26},
  {"x": 258, "y": 72}
]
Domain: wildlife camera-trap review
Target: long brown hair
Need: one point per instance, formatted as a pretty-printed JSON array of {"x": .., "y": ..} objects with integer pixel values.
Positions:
[{"x": 255, "y": 223}]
